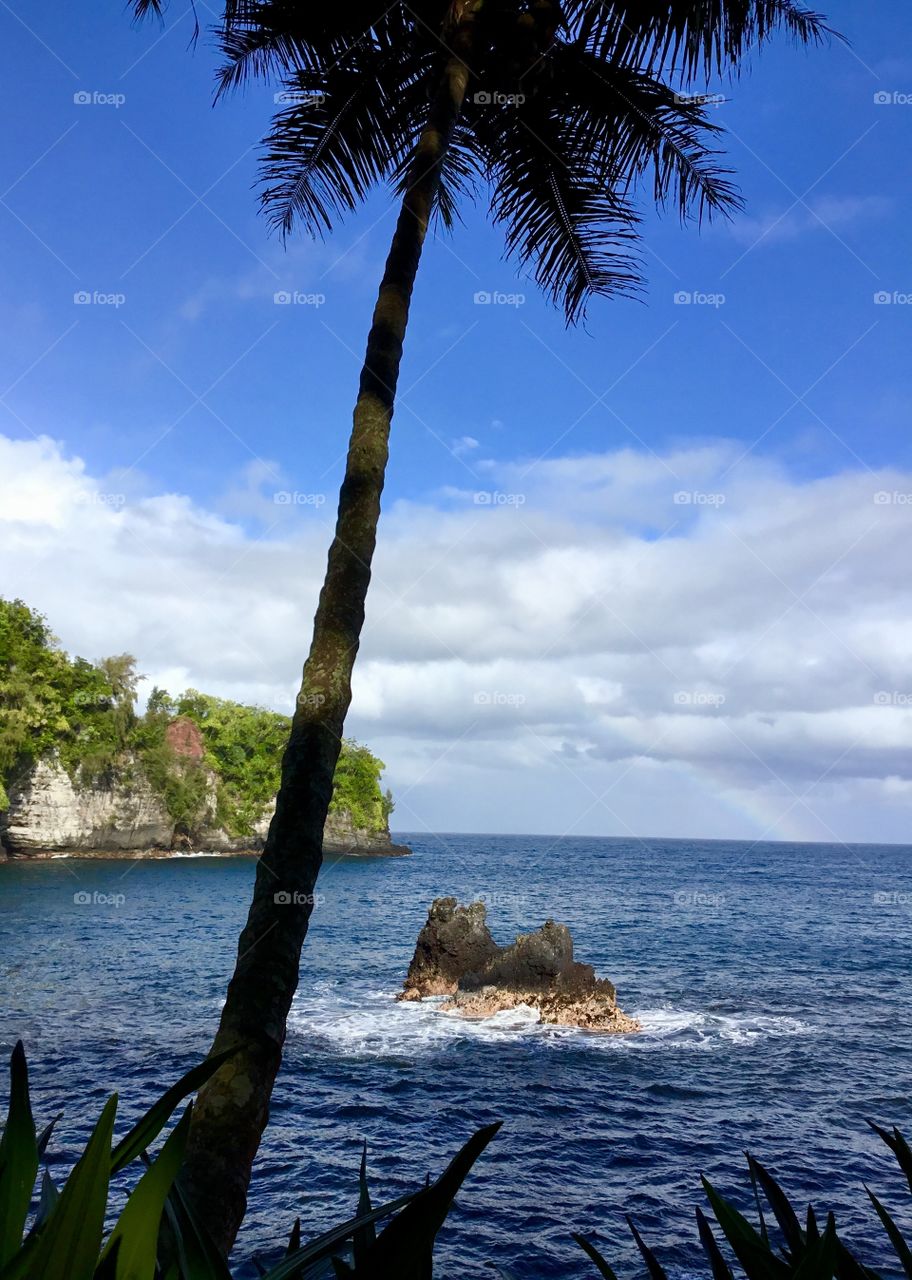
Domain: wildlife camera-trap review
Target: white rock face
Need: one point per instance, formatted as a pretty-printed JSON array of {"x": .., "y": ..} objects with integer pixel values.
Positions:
[{"x": 49, "y": 814}]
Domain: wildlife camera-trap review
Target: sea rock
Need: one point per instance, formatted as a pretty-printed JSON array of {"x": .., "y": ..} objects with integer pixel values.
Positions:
[
  {"x": 456, "y": 956},
  {"x": 454, "y": 941}
]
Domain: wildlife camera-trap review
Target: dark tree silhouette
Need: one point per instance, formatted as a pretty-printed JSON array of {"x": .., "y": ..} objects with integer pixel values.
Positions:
[{"x": 567, "y": 116}]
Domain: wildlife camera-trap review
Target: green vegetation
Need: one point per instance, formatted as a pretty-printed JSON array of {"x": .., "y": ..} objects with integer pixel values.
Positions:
[
  {"x": 84, "y": 712},
  {"x": 158, "y": 1236},
  {"x": 49, "y": 702}
]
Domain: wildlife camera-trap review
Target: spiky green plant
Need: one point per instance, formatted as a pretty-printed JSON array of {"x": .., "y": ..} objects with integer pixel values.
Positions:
[
  {"x": 157, "y": 1236},
  {"x": 791, "y": 1246}
]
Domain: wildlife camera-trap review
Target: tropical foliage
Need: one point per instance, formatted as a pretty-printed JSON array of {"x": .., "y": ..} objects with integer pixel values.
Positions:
[
  {"x": 49, "y": 702},
  {"x": 574, "y": 114},
  {"x": 84, "y": 712},
  {"x": 157, "y": 1237}
]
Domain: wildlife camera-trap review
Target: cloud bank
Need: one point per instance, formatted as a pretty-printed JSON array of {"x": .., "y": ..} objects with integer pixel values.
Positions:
[{"x": 694, "y": 644}]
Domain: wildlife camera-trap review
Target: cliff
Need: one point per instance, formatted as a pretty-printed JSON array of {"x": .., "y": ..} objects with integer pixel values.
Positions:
[{"x": 51, "y": 814}]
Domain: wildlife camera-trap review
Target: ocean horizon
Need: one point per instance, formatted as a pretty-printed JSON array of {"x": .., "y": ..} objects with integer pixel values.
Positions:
[{"x": 772, "y": 981}]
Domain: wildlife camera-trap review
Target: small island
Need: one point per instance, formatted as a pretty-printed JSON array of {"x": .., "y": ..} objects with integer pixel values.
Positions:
[
  {"x": 82, "y": 773},
  {"x": 456, "y": 957}
]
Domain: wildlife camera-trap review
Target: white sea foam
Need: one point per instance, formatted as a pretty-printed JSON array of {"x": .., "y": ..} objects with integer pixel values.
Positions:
[
  {"x": 379, "y": 1026},
  {"x": 701, "y": 1029}
]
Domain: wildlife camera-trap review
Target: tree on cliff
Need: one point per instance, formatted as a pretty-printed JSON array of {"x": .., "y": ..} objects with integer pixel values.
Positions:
[
  {"x": 565, "y": 113},
  {"x": 81, "y": 710},
  {"x": 83, "y": 714}
]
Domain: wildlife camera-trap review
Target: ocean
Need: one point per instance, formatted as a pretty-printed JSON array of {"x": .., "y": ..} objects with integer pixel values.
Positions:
[{"x": 773, "y": 981}]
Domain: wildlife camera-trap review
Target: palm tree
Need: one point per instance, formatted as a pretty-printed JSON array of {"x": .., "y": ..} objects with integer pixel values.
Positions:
[{"x": 562, "y": 112}]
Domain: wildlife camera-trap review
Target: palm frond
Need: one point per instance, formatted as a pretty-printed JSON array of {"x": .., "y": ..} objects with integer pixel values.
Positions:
[
  {"x": 691, "y": 38},
  {"x": 576, "y": 232},
  {"x": 280, "y": 37},
  {"x": 347, "y": 131},
  {"x": 459, "y": 177},
  {"x": 147, "y": 8},
  {"x": 632, "y": 124}
]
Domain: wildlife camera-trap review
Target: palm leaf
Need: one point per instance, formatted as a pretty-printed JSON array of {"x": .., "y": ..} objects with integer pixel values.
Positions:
[
  {"x": 900, "y": 1148},
  {"x": 720, "y": 1268},
  {"x": 18, "y": 1158},
  {"x": 147, "y": 1129},
  {"x": 348, "y": 133},
  {"x": 900, "y": 1248},
  {"x": 635, "y": 125},
  {"x": 653, "y": 1266},
  {"x": 591, "y": 1252},
  {"x": 782, "y": 1210},
  {"x": 403, "y": 1250},
  {"x": 688, "y": 37},
  {"x": 561, "y": 220},
  {"x": 134, "y": 1238}
]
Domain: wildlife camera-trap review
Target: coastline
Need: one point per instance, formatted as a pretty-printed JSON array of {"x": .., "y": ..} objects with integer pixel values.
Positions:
[{"x": 390, "y": 850}]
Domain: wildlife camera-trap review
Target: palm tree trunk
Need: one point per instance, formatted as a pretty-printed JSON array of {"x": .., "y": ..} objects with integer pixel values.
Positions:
[{"x": 233, "y": 1108}]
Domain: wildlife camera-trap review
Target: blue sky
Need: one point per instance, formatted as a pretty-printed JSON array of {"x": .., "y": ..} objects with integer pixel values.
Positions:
[{"x": 199, "y": 389}]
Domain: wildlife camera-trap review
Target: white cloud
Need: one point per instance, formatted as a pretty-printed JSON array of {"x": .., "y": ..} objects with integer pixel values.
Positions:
[
  {"x": 834, "y": 213},
  {"x": 602, "y": 656}
]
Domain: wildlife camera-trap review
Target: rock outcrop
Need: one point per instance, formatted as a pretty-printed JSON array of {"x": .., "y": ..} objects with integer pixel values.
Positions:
[
  {"x": 457, "y": 957},
  {"x": 50, "y": 814},
  {"x": 453, "y": 942}
]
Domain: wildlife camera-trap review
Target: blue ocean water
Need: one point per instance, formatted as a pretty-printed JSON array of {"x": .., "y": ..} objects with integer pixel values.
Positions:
[{"x": 774, "y": 983}]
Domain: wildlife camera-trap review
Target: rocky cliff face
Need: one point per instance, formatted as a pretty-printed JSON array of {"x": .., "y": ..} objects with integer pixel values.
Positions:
[{"x": 50, "y": 814}]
